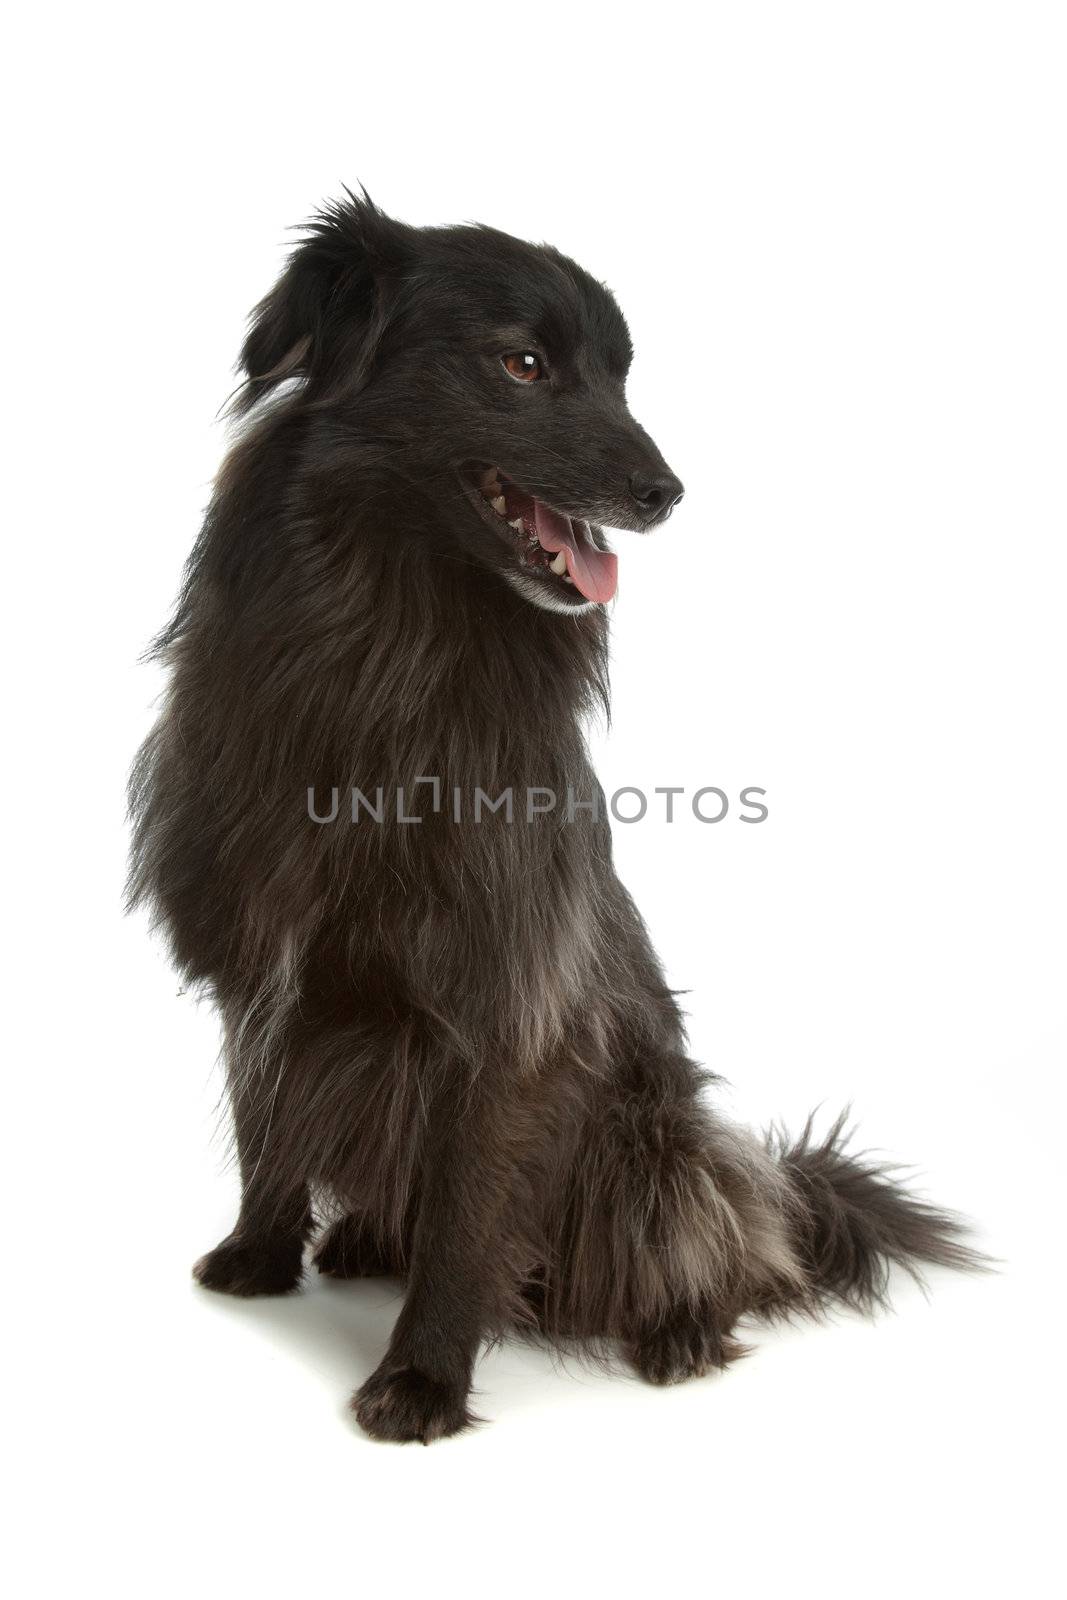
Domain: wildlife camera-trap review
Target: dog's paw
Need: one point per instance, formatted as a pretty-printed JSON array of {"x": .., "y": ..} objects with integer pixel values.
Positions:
[
  {"x": 349, "y": 1249},
  {"x": 403, "y": 1404},
  {"x": 251, "y": 1266},
  {"x": 688, "y": 1344}
]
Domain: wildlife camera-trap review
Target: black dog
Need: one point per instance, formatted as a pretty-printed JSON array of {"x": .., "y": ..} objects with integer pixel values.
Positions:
[{"x": 455, "y": 1030}]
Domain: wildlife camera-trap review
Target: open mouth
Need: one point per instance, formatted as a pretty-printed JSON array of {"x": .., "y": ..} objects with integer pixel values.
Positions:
[{"x": 550, "y": 547}]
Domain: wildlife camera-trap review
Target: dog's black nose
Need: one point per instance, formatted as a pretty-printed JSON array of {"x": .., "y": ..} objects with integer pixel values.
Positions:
[{"x": 655, "y": 494}]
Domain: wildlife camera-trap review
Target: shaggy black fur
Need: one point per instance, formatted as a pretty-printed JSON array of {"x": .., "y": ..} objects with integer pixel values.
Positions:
[{"x": 458, "y": 1033}]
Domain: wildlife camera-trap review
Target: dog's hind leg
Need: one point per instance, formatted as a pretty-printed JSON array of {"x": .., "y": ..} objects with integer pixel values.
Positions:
[
  {"x": 689, "y": 1341},
  {"x": 671, "y": 1220},
  {"x": 264, "y": 1253},
  {"x": 353, "y": 1248}
]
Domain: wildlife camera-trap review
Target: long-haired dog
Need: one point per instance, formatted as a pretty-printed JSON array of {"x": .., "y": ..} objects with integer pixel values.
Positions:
[{"x": 443, "y": 1016}]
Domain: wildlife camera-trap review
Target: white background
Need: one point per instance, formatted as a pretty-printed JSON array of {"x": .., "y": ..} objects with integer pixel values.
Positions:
[{"x": 838, "y": 233}]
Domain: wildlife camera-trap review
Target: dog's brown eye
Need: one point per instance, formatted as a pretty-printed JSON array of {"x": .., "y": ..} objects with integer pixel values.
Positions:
[{"x": 524, "y": 365}]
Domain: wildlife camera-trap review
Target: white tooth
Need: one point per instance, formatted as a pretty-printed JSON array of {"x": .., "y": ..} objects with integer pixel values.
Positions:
[
  {"x": 569, "y": 579},
  {"x": 559, "y": 566},
  {"x": 499, "y": 504},
  {"x": 516, "y": 523}
]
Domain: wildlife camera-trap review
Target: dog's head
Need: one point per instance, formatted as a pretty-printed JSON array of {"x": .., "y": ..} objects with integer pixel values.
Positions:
[{"x": 491, "y": 369}]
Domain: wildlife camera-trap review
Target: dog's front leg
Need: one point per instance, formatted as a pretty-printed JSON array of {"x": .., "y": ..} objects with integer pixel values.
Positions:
[
  {"x": 456, "y": 1276},
  {"x": 264, "y": 1253}
]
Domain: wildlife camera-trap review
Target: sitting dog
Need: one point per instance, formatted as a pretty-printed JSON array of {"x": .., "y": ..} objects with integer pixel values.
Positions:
[{"x": 445, "y": 1025}]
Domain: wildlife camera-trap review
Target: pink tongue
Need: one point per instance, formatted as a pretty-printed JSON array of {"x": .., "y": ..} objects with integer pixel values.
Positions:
[{"x": 595, "y": 572}]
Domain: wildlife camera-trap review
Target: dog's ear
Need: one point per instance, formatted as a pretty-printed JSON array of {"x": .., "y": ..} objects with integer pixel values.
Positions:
[{"x": 325, "y": 315}]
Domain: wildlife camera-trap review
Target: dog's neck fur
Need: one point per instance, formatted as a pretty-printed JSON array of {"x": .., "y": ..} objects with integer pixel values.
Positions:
[{"x": 374, "y": 595}]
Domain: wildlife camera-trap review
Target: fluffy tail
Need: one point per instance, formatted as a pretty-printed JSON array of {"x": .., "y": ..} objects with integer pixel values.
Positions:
[{"x": 854, "y": 1219}]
